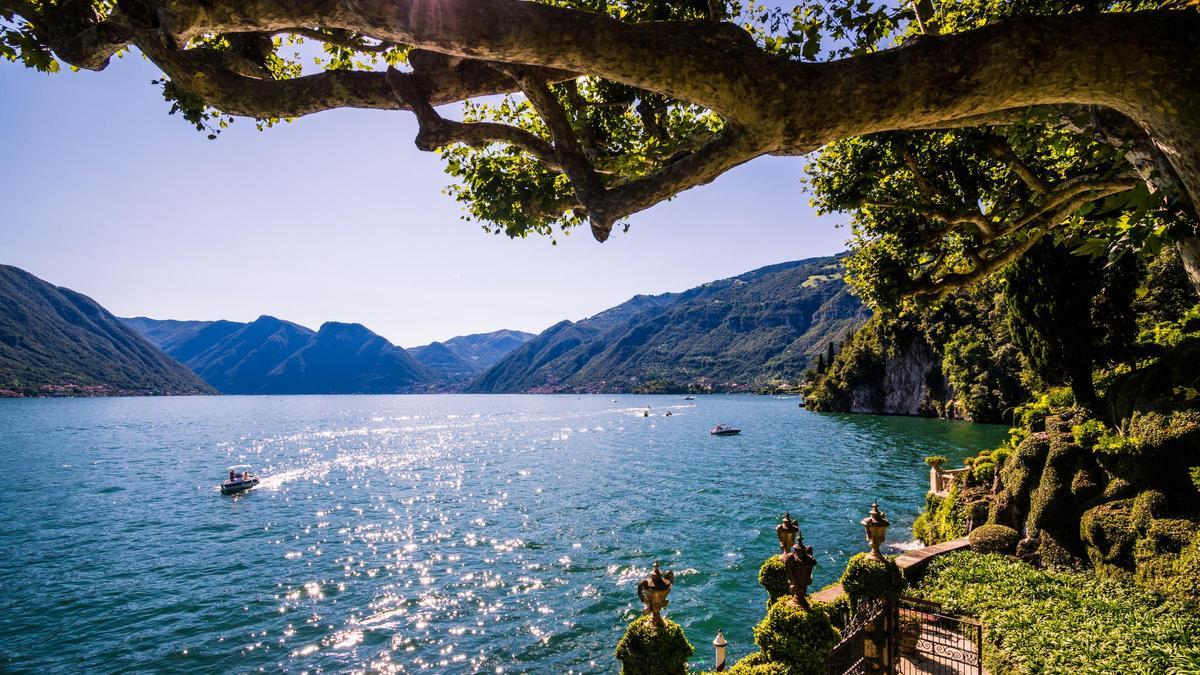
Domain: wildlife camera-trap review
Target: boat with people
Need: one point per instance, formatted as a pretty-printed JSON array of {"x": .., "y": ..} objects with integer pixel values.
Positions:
[
  {"x": 241, "y": 478},
  {"x": 725, "y": 430}
]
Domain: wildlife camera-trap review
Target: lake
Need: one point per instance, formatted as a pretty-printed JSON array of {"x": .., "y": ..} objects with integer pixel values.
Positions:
[{"x": 463, "y": 534}]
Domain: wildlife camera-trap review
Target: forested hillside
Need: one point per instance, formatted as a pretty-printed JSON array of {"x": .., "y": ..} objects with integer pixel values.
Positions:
[
  {"x": 729, "y": 335},
  {"x": 54, "y": 341},
  {"x": 272, "y": 356}
]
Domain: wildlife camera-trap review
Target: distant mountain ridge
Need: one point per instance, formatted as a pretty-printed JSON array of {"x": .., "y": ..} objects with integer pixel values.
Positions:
[
  {"x": 272, "y": 356},
  {"x": 466, "y": 355},
  {"x": 733, "y": 334},
  {"x": 54, "y": 341},
  {"x": 727, "y": 335}
]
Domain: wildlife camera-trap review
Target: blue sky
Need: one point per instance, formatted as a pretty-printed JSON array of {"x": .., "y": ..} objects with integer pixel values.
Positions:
[{"x": 336, "y": 216}]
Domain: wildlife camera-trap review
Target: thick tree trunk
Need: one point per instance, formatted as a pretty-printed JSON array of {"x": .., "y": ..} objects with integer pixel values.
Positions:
[
  {"x": 1189, "y": 251},
  {"x": 1141, "y": 64}
]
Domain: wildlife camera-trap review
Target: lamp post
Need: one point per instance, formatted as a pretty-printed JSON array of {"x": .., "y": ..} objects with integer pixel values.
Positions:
[
  {"x": 799, "y": 564},
  {"x": 719, "y": 647},
  {"x": 653, "y": 592},
  {"x": 876, "y": 525},
  {"x": 786, "y": 531}
]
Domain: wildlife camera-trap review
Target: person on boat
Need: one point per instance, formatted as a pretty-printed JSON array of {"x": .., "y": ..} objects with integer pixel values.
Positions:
[{"x": 231, "y": 476}]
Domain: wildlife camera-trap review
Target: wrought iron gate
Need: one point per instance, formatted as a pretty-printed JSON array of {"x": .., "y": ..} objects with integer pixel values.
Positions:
[
  {"x": 849, "y": 657},
  {"x": 920, "y": 638},
  {"x": 931, "y": 641}
]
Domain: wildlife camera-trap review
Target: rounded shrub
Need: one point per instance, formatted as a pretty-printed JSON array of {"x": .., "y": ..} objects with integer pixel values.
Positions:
[
  {"x": 994, "y": 539},
  {"x": 757, "y": 664},
  {"x": 1088, "y": 433},
  {"x": 1186, "y": 584},
  {"x": 921, "y": 530},
  {"x": 866, "y": 577},
  {"x": 773, "y": 577},
  {"x": 799, "y": 639},
  {"x": 1147, "y": 506},
  {"x": 935, "y": 460},
  {"x": 983, "y": 471},
  {"x": 999, "y": 455},
  {"x": 646, "y": 649}
]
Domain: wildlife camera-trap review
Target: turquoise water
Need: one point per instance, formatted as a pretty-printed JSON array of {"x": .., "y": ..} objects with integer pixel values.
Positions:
[{"x": 443, "y": 533}]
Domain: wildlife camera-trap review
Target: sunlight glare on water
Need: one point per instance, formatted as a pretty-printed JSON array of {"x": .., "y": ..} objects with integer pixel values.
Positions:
[{"x": 421, "y": 533}]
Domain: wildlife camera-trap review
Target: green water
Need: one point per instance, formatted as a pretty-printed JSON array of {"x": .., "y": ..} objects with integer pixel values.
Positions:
[{"x": 452, "y": 534}]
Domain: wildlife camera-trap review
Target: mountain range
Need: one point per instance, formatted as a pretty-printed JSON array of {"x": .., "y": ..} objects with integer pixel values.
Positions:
[
  {"x": 54, "y": 341},
  {"x": 272, "y": 356},
  {"x": 735, "y": 334},
  {"x": 464, "y": 356}
]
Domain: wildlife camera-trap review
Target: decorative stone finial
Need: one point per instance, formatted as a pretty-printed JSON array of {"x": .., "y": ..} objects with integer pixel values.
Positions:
[
  {"x": 876, "y": 525},
  {"x": 786, "y": 531},
  {"x": 653, "y": 592},
  {"x": 799, "y": 564}
]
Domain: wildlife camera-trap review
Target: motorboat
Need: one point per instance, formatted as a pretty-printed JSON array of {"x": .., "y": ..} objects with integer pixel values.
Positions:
[
  {"x": 241, "y": 478},
  {"x": 668, "y": 414},
  {"x": 725, "y": 430},
  {"x": 689, "y": 398}
]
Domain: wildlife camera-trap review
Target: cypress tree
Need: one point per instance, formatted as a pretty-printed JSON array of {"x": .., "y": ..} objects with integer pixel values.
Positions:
[{"x": 1049, "y": 297}]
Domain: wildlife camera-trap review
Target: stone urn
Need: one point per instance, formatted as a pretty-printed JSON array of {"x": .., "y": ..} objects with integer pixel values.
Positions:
[
  {"x": 876, "y": 525},
  {"x": 799, "y": 563},
  {"x": 653, "y": 592},
  {"x": 786, "y": 531}
]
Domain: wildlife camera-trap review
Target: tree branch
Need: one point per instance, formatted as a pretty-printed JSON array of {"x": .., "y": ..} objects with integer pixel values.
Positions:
[
  {"x": 437, "y": 131},
  {"x": 1004, "y": 151},
  {"x": 587, "y": 183},
  {"x": 345, "y": 39},
  {"x": 1046, "y": 221}
]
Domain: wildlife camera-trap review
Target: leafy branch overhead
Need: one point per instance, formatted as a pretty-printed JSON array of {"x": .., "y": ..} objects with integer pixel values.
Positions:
[{"x": 951, "y": 116}]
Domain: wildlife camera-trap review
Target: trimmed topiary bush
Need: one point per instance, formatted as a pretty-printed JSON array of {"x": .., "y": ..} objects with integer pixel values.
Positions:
[
  {"x": 1178, "y": 431},
  {"x": 1000, "y": 455},
  {"x": 1109, "y": 533},
  {"x": 1185, "y": 587},
  {"x": 935, "y": 460},
  {"x": 1147, "y": 506},
  {"x": 994, "y": 539},
  {"x": 646, "y": 649},
  {"x": 983, "y": 471},
  {"x": 866, "y": 577},
  {"x": 1022, "y": 471},
  {"x": 1088, "y": 433},
  {"x": 773, "y": 577},
  {"x": 799, "y": 639}
]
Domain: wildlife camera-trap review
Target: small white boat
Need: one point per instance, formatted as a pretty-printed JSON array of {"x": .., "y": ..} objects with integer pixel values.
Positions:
[
  {"x": 240, "y": 479},
  {"x": 725, "y": 430}
]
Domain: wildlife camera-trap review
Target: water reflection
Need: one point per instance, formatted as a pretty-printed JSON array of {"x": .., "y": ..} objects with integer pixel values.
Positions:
[{"x": 465, "y": 534}]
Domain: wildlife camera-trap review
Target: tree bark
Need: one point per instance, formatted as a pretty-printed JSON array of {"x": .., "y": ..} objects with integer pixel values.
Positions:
[
  {"x": 1141, "y": 64},
  {"x": 1189, "y": 251}
]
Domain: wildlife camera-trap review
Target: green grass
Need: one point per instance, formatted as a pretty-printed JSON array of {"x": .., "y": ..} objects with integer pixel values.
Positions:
[{"x": 1038, "y": 621}]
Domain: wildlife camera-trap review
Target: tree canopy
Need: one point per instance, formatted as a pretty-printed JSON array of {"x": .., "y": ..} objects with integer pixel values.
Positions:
[{"x": 974, "y": 127}]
